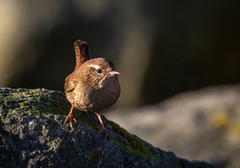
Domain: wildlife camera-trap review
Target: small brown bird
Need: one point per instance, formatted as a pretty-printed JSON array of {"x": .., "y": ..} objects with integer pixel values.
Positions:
[{"x": 93, "y": 85}]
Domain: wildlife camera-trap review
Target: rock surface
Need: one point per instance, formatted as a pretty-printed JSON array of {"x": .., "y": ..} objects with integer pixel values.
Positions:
[{"x": 32, "y": 134}]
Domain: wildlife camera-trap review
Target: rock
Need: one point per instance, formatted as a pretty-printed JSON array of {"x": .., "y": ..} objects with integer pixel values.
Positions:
[
  {"x": 32, "y": 134},
  {"x": 200, "y": 125}
]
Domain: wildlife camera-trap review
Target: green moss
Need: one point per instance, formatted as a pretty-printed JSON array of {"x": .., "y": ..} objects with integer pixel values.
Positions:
[
  {"x": 26, "y": 101},
  {"x": 83, "y": 117},
  {"x": 96, "y": 155},
  {"x": 136, "y": 146}
]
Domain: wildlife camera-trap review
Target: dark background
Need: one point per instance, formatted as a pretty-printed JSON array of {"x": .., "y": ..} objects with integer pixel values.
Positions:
[{"x": 161, "y": 47}]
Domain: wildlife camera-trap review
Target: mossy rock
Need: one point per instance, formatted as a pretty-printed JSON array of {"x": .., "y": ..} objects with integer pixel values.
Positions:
[{"x": 32, "y": 134}]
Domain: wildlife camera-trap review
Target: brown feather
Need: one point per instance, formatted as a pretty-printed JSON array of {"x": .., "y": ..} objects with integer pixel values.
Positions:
[{"x": 82, "y": 52}]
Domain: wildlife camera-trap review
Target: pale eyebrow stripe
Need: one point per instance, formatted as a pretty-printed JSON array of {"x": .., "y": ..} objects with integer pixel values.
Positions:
[{"x": 94, "y": 66}]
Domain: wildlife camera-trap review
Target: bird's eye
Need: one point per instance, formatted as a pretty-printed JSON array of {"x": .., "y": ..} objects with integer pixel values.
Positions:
[{"x": 99, "y": 70}]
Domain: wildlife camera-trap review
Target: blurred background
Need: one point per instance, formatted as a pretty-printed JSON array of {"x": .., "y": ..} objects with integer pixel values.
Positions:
[{"x": 161, "y": 48}]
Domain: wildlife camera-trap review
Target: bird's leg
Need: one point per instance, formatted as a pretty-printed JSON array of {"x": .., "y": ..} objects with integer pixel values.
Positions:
[
  {"x": 103, "y": 131},
  {"x": 70, "y": 118}
]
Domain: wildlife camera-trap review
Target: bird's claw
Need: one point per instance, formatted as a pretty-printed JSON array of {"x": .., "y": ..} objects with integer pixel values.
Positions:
[
  {"x": 71, "y": 119},
  {"x": 103, "y": 132}
]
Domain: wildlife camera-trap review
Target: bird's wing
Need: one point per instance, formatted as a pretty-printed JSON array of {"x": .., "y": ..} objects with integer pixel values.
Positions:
[{"x": 70, "y": 83}]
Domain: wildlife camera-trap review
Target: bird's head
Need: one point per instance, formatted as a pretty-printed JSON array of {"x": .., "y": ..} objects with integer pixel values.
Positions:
[{"x": 98, "y": 72}]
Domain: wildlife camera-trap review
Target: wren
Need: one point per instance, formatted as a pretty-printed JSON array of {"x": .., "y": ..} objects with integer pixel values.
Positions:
[{"x": 93, "y": 86}]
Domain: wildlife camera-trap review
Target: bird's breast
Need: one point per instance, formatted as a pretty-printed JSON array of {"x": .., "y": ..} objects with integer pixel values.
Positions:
[{"x": 94, "y": 100}]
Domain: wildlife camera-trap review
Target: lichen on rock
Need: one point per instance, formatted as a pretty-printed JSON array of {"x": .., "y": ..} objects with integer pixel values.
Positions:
[
  {"x": 32, "y": 134},
  {"x": 96, "y": 155}
]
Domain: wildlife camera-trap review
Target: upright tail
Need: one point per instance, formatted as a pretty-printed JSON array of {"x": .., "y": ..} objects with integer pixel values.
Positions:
[{"x": 82, "y": 52}]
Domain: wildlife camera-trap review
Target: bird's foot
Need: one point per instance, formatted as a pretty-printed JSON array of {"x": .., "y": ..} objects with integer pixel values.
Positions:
[
  {"x": 104, "y": 133},
  {"x": 71, "y": 119}
]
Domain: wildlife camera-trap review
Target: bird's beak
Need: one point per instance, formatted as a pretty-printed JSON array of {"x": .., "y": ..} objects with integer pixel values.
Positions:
[{"x": 113, "y": 72}]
